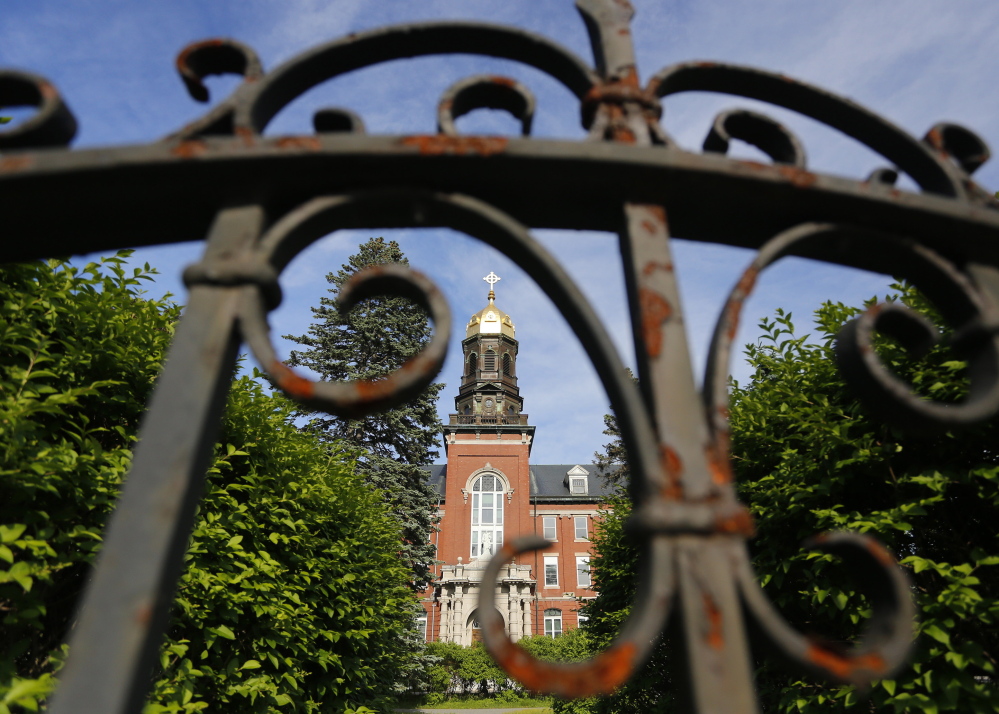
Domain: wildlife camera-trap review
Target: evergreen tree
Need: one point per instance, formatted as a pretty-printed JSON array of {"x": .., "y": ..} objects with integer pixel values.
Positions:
[{"x": 371, "y": 341}]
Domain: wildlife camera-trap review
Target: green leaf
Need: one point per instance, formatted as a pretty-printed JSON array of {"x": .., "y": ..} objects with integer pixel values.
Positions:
[
  {"x": 251, "y": 664},
  {"x": 223, "y": 631},
  {"x": 8, "y": 534},
  {"x": 937, "y": 634}
]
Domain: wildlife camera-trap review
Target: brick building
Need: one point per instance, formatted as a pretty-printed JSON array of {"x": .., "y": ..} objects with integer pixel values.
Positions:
[{"x": 491, "y": 492}]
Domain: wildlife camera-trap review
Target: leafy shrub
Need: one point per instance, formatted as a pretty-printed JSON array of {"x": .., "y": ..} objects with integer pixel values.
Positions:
[
  {"x": 809, "y": 459},
  {"x": 293, "y": 597}
]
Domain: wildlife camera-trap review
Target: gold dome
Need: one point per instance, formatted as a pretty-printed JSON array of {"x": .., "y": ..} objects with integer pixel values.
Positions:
[{"x": 490, "y": 320}]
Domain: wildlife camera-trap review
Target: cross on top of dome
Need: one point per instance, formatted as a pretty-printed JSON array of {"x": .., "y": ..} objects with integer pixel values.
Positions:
[{"x": 492, "y": 279}]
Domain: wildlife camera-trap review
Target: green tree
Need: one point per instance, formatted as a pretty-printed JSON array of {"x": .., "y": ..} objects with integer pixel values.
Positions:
[
  {"x": 293, "y": 597},
  {"x": 371, "y": 341},
  {"x": 79, "y": 351},
  {"x": 810, "y": 459}
]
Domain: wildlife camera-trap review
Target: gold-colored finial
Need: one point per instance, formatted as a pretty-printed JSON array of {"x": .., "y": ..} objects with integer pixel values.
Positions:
[{"x": 492, "y": 279}]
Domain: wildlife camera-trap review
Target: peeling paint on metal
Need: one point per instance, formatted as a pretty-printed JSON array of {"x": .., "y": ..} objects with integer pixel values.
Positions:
[
  {"x": 880, "y": 554},
  {"x": 739, "y": 522},
  {"x": 714, "y": 636},
  {"x": 309, "y": 143},
  {"x": 673, "y": 468},
  {"x": 600, "y": 675},
  {"x": 718, "y": 464},
  {"x": 294, "y": 384},
  {"x": 437, "y": 144},
  {"x": 843, "y": 667},
  {"x": 798, "y": 177},
  {"x": 189, "y": 149},
  {"x": 13, "y": 164},
  {"x": 655, "y": 311}
]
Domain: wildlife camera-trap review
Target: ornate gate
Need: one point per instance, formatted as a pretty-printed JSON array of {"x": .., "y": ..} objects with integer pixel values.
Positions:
[{"x": 258, "y": 201}]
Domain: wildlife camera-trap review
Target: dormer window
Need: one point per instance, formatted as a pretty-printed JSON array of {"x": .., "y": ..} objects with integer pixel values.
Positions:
[{"x": 577, "y": 480}]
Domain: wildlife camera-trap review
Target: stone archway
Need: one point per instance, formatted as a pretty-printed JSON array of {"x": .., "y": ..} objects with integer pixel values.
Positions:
[{"x": 473, "y": 631}]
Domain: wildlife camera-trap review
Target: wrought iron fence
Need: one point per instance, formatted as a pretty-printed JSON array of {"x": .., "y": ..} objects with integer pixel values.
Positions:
[{"x": 258, "y": 201}]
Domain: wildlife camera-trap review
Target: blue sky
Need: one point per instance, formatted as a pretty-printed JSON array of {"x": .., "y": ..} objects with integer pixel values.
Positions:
[{"x": 914, "y": 63}]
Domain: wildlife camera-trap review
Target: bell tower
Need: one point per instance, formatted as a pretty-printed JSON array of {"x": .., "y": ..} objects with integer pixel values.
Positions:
[{"x": 489, "y": 392}]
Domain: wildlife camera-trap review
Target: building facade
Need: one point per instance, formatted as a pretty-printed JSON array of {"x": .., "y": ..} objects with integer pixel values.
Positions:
[{"x": 490, "y": 492}]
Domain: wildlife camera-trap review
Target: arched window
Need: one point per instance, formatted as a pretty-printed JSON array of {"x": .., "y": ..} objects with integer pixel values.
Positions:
[
  {"x": 489, "y": 361},
  {"x": 472, "y": 359},
  {"x": 487, "y": 515},
  {"x": 507, "y": 365},
  {"x": 553, "y": 623}
]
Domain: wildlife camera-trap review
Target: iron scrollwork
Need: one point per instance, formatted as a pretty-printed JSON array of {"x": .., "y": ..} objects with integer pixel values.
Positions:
[{"x": 260, "y": 201}]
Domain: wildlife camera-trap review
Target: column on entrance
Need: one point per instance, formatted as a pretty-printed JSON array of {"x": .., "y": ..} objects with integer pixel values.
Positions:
[
  {"x": 458, "y": 622},
  {"x": 445, "y": 616},
  {"x": 513, "y": 608}
]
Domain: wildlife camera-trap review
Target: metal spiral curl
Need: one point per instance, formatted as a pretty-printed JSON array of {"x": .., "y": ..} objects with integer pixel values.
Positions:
[
  {"x": 887, "y": 640},
  {"x": 891, "y": 399},
  {"x": 927, "y": 162},
  {"x": 358, "y": 398},
  {"x": 607, "y": 670},
  {"x": 52, "y": 125},
  {"x": 215, "y": 56},
  {"x": 769, "y": 136},
  {"x": 485, "y": 91}
]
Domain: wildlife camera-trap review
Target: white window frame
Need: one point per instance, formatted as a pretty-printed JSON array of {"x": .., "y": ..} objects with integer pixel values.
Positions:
[
  {"x": 487, "y": 538},
  {"x": 577, "y": 485},
  {"x": 576, "y": 520},
  {"x": 553, "y": 623},
  {"x": 551, "y": 561},
  {"x": 421, "y": 626},
  {"x": 554, "y": 527},
  {"x": 583, "y": 578}
]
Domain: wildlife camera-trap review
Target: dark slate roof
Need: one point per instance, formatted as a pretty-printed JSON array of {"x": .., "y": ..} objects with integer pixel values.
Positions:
[
  {"x": 437, "y": 477},
  {"x": 547, "y": 482}
]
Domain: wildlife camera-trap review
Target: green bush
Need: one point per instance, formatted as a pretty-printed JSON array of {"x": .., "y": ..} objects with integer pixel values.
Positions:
[
  {"x": 293, "y": 598},
  {"x": 809, "y": 458}
]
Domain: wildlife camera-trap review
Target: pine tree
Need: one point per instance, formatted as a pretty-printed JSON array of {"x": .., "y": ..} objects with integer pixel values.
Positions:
[{"x": 371, "y": 341}]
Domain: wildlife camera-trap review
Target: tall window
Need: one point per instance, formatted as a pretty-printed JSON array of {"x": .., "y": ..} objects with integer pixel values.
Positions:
[
  {"x": 583, "y": 571},
  {"x": 507, "y": 365},
  {"x": 580, "y": 523},
  {"x": 421, "y": 627},
  {"x": 551, "y": 571},
  {"x": 549, "y": 527},
  {"x": 472, "y": 360},
  {"x": 553, "y": 623},
  {"x": 487, "y": 515},
  {"x": 489, "y": 361}
]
